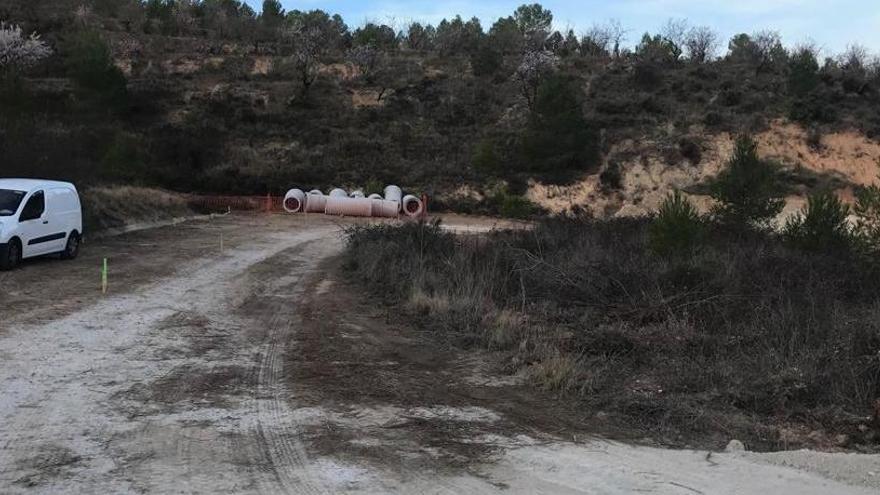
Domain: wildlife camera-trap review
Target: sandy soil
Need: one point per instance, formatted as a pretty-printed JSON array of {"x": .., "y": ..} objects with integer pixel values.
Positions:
[
  {"x": 256, "y": 369},
  {"x": 844, "y": 160}
]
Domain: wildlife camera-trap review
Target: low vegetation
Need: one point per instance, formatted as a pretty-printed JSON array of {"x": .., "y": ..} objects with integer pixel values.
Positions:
[
  {"x": 684, "y": 328},
  {"x": 116, "y": 207},
  {"x": 745, "y": 338}
]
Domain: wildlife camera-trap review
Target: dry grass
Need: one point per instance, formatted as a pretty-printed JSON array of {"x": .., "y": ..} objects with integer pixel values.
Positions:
[
  {"x": 114, "y": 207},
  {"x": 745, "y": 337}
]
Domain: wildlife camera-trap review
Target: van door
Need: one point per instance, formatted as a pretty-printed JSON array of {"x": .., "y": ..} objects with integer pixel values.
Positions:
[
  {"x": 35, "y": 228},
  {"x": 62, "y": 206}
]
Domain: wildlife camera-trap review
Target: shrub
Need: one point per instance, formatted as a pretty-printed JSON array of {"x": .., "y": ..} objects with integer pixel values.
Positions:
[
  {"x": 558, "y": 138},
  {"x": 803, "y": 75},
  {"x": 486, "y": 158},
  {"x": 611, "y": 179},
  {"x": 486, "y": 61},
  {"x": 690, "y": 150},
  {"x": 90, "y": 65},
  {"x": 749, "y": 191},
  {"x": 18, "y": 51},
  {"x": 867, "y": 211},
  {"x": 374, "y": 186},
  {"x": 746, "y": 338},
  {"x": 510, "y": 205},
  {"x": 821, "y": 226},
  {"x": 123, "y": 160},
  {"x": 678, "y": 227},
  {"x": 812, "y": 108}
]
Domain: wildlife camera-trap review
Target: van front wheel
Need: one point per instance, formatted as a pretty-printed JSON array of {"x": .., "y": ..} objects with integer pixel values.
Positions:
[
  {"x": 71, "y": 251},
  {"x": 10, "y": 257}
]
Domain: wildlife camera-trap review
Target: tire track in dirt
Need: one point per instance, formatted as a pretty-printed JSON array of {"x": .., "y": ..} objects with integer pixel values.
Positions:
[
  {"x": 113, "y": 387},
  {"x": 279, "y": 436}
]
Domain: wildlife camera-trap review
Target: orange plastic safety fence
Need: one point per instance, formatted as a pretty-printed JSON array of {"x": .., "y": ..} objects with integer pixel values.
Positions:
[{"x": 221, "y": 204}]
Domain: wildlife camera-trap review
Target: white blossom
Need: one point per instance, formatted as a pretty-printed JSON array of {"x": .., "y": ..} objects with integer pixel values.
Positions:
[
  {"x": 534, "y": 67},
  {"x": 18, "y": 51}
]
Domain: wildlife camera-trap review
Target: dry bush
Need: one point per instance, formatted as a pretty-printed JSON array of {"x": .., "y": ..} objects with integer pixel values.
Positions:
[
  {"x": 114, "y": 207},
  {"x": 739, "y": 338}
]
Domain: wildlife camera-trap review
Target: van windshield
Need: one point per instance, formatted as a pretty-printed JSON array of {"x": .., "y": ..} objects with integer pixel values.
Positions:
[{"x": 10, "y": 201}]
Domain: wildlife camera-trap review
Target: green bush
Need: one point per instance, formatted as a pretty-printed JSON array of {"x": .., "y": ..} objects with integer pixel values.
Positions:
[
  {"x": 749, "y": 191},
  {"x": 558, "y": 139},
  {"x": 15, "y": 99},
  {"x": 90, "y": 64},
  {"x": 123, "y": 160},
  {"x": 513, "y": 206},
  {"x": 812, "y": 108},
  {"x": 803, "y": 74},
  {"x": 510, "y": 205},
  {"x": 486, "y": 158},
  {"x": 821, "y": 226},
  {"x": 611, "y": 179},
  {"x": 678, "y": 227},
  {"x": 374, "y": 186},
  {"x": 486, "y": 61},
  {"x": 867, "y": 211}
]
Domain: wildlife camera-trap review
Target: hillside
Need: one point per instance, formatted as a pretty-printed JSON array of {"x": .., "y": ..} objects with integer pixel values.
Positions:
[{"x": 182, "y": 97}]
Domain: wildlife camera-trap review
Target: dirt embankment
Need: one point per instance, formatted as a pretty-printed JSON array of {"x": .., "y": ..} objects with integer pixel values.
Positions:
[
  {"x": 118, "y": 207},
  {"x": 842, "y": 159}
]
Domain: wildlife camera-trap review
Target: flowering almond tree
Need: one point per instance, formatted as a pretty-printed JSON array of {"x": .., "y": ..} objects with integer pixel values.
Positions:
[
  {"x": 18, "y": 52},
  {"x": 533, "y": 69}
]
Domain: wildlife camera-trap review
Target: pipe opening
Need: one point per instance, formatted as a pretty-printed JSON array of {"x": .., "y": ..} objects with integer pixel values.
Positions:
[{"x": 292, "y": 204}]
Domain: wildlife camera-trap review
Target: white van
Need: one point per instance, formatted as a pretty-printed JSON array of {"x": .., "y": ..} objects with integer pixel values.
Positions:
[{"x": 38, "y": 217}]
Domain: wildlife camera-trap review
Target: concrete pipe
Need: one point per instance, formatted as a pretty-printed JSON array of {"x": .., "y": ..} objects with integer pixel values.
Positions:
[
  {"x": 349, "y": 207},
  {"x": 338, "y": 193},
  {"x": 385, "y": 209},
  {"x": 413, "y": 206},
  {"x": 393, "y": 193},
  {"x": 375, "y": 196},
  {"x": 294, "y": 201},
  {"x": 315, "y": 203},
  {"x": 357, "y": 193},
  {"x": 315, "y": 192}
]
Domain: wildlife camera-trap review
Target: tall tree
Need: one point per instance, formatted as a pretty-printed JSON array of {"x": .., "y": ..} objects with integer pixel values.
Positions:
[
  {"x": 533, "y": 18},
  {"x": 273, "y": 13}
]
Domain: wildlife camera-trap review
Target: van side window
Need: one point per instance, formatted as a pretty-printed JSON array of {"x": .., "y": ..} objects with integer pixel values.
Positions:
[{"x": 34, "y": 208}]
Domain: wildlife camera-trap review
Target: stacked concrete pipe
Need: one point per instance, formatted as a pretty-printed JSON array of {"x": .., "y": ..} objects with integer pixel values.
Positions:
[
  {"x": 382, "y": 208},
  {"x": 315, "y": 202},
  {"x": 394, "y": 193},
  {"x": 294, "y": 201},
  {"x": 349, "y": 207},
  {"x": 341, "y": 203},
  {"x": 412, "y": 206}
]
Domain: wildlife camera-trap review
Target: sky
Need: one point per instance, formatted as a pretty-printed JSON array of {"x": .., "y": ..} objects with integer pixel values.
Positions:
[{"x": 831, "y": 24}]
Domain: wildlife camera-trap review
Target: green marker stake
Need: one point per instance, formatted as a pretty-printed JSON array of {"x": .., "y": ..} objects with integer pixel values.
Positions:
[
  {"x": 221, "y": 242},
  {"x": 104, "y": 277}
]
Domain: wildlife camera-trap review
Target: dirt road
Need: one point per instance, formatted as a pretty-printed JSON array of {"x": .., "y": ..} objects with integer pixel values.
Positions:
[{"x": 255, "y": 369}]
